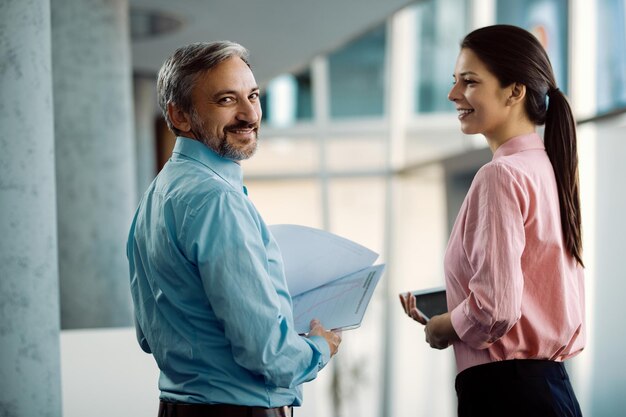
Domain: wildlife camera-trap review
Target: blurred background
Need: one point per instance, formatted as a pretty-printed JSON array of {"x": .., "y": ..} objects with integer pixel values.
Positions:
[{"x": 358, "y": 139}]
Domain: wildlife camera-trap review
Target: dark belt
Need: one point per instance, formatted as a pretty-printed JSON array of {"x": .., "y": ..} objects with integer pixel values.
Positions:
[{"x": 220, "y": 410}]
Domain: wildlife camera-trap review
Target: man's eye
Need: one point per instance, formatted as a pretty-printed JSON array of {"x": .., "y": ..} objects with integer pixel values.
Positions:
[
  {"x": 254, "y": 96},
  {"x": 226, "y": 100}
]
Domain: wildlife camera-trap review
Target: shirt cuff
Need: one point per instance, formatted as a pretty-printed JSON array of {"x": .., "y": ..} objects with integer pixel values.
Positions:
[
  {"x": 466, "y": 329},
  {"x": 323, "y": 349}
]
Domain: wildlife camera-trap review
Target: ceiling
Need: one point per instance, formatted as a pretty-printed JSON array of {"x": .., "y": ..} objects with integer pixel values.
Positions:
[{"x": 282, "y": 35}]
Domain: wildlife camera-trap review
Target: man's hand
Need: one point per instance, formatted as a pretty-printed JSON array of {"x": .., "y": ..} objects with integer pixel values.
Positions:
[{"x": 333, "y": 337}]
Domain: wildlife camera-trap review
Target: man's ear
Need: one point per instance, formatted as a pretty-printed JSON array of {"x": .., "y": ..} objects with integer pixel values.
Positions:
[
  {"x": 518, "y": 92},
  {"x": 179, "y": 118}
]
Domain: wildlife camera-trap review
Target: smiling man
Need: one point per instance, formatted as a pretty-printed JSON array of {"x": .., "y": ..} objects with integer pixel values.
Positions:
[{"x": 207, "y": 278}]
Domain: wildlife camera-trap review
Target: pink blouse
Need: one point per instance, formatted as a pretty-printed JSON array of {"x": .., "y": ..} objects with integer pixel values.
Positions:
[{"x": 514, "y": 291}]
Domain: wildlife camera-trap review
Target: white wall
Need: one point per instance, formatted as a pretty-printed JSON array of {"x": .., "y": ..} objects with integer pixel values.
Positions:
[{"x": 105, "y": 373}]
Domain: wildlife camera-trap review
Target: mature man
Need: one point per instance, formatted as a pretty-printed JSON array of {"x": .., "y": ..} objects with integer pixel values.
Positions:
[{"x": 207, "y": 278}]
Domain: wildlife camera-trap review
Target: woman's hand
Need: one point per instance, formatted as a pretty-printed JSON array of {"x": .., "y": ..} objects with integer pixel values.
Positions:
[
  {"x": 439, "y": 332},
  {"x": 408, "y": 303}
]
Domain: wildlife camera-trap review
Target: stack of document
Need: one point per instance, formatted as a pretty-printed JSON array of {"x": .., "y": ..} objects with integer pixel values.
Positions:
[{"x": 330, "y": 278}]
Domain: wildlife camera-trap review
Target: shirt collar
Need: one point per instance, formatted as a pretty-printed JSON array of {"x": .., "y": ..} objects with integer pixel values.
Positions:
[
  {"x": 518, "y": 144},
  {"x": 227, "y": 169}
]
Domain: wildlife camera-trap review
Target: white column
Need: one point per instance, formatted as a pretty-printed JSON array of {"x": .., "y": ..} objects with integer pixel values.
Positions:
[
  {"x": 95, "y": 159},
  {"x": 400, "y": 64},
  {"x": 29, "y": 303},
  {"x": 582, "y": 51},
  {"x": 483, "y": 13},
  {"x": 321, "y": 114}
]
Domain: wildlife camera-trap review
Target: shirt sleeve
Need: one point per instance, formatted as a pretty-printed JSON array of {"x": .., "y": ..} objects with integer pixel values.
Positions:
[
  {"x": 231, "y": 256},
  {"x": 493, "y": 241},
  {"x": 141, "y": 338}
]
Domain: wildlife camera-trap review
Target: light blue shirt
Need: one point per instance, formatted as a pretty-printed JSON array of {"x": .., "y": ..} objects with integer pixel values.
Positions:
[{"x": 209, "y": 289}]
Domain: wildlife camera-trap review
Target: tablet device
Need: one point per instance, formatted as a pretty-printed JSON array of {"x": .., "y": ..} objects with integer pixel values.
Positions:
[{"x": 431, "y": 302}]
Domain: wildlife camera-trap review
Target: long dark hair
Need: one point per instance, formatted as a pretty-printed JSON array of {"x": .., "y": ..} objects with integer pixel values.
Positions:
[{"x": 515, "y": 55}]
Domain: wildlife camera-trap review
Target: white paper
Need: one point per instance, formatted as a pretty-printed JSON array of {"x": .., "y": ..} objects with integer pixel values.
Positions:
[
  {"x": 330, "y": 278},
  {"x": 313, "y": 257},
  {"x": 340, "y": 304}
]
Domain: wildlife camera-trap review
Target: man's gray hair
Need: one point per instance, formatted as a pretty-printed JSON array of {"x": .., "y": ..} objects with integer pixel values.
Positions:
[{"x": 180, "y": 71}]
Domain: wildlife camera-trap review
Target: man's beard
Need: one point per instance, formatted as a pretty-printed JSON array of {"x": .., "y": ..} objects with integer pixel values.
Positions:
[{"x": 220, "y": 144}]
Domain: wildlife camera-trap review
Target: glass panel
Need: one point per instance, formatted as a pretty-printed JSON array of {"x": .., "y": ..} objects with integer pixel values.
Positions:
[
  {"x": 357, "y": 76},
  {"x": 611, "y": 47},
  {"x": 357, "y": 209},
  {"x": 420, "y": 228},
  {"x": 295, "y": 201},
  {"x": 283, "y": 156},
  {"x": 548, "y": 21},
  {"x": 441, "y": 25},
  {"x": 423, "y": 378},
  {"x": 433, "y": 142},
  {"x": 355, "y": 154},
  {"x": 287, "y": 99},
  {"x": 304, "y": 98}
]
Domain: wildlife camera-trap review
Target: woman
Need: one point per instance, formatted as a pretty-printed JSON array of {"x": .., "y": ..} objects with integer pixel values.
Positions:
[{"x": 513, "y": 265}]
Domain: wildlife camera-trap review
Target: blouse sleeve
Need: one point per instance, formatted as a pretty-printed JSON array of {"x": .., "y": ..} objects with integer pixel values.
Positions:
[{"x": 493, "y": 242}]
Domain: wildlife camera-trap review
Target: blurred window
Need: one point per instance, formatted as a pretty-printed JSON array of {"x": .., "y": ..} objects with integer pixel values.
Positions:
[
  {"x": 611, "y": 62},
  {"x": 288, "y": 201},
  {"x": 357, "y": 76},
  {"x": 441, "y": 25},
  {"x": 548, "y": 21},
  {"x": 304, "y": 96},
  {"x": 288, "y": 99},
  {"x": 284, "y": 155},
  {"x": 356, "y": 152}
]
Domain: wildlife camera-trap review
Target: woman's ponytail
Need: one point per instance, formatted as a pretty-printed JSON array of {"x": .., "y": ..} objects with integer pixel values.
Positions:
[{"x": 560, "y": 144}]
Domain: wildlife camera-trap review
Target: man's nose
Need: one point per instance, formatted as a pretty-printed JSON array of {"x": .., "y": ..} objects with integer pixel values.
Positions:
[{"x": 248, "y": 111}]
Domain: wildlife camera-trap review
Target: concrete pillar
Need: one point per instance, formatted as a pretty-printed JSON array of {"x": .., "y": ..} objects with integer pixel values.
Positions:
[
  {"x": 94, "y": 154},
  {"x": 29, "y": 295}
]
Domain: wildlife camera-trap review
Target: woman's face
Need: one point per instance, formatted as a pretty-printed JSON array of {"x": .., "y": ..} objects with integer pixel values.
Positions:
[{"x": 482, "y": 104}]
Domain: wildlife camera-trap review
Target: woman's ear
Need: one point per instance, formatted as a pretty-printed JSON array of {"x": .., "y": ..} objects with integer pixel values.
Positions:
[
  {"x": 518, "y": 92},
  {"x": 179, "y": 118}
]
